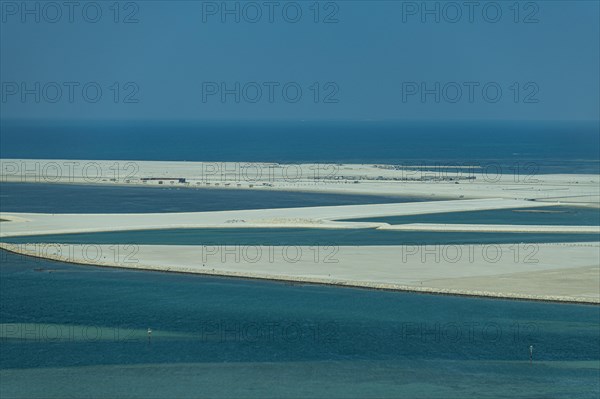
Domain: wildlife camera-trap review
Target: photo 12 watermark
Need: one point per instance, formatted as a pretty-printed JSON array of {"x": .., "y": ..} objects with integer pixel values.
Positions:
[
  {"x": 64, "y": 171},
  {"x": 471, "y": 12},
  {"x": 470, "y": 92},
  {"x": 212, "y": 331},
  {"x": 255, "y": 172},
  {"x": 71, "y": 92},
  {"x": 69, "y": 12},
  {"x": 469, "y": 253},
  {"x": 461, "y": 172},
  {"x": 270, "y": 92},
  {"x": 118, "y": 255},
  {"x": 471, "y": 332},
  {"x": 270, "y": 12},
  {"x": 251, "y": 254}
]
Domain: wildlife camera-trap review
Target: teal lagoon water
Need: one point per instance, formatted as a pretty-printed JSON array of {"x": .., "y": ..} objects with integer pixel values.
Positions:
[
  {"x": 74, "y": 331},
  {"x": 556, "y": 215},
  {"x": 293, "y": 236},
  {"x": 71, "y": 198}
]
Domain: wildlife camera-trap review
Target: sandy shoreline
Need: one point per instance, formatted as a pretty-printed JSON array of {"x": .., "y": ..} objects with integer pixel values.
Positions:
[
  {"x": 492, "y": 228},
  {"x": 445, "y": 182},
  {"x": 565, "y": 272},
  {"x": 538, "y": 273},
  {"x": 24, "y": 224}
]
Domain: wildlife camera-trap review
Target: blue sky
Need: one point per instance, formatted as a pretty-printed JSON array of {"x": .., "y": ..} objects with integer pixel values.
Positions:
[{"x": 377, "y": 62}]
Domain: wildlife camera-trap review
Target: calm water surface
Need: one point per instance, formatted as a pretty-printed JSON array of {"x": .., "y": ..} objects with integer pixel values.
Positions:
[
  {"x": 82, "y": 331},
  {"x": 75, "y": 331}
]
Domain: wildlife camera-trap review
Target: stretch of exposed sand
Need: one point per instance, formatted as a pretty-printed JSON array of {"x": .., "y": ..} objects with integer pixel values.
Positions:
[
  {"x": 492, "y": 228},
  {"x": 521, "y": 181},
  {"x": 552, "y": 272},
  {"x": 561, "y": 272},
  {"x": 24, "y": 224}
]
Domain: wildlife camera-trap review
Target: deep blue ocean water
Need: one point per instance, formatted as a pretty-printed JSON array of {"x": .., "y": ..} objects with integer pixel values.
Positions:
[{"x": 557, "y": 147}]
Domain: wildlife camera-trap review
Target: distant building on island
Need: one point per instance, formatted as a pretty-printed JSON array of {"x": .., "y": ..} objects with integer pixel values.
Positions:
[{"x": 162, "y": 179}]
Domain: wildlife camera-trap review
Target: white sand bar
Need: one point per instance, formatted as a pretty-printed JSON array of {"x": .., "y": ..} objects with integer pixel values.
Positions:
[
  {"x": 484, "y": 180},
  {"x": 556, "y": 272},
  {"x": 23, "y": 224},
  {"x": 496, "y": 228}
]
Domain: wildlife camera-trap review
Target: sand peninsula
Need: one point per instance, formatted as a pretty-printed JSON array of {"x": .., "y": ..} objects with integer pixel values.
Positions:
[
  {"x": 567, "y": 272},
  {"x": 558, "y": 272},
  {"x": 491, "y": 180}
]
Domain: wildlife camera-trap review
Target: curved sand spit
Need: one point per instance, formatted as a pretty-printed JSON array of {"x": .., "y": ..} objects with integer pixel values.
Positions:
[
  {"x": 27, "y": 224},
  {"x": 566, "y": 272}
]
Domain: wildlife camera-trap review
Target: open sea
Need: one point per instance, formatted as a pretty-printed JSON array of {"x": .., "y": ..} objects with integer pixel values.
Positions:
[
  {"x": 538, "y": 148},
  {"x": 81, "y": 331}
]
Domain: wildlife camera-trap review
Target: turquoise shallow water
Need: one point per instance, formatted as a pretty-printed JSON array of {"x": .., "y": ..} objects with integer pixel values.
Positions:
[
  {"x": 291, "y": 236},
  {"x": 82, "y": 331}
]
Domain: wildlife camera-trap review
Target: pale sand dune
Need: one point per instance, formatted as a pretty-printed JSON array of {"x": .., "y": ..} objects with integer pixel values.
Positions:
[
  {"x": 479, "y": 181},
  {"x": 312, "y": 217},
  {"x": 555, "y": 272}
]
